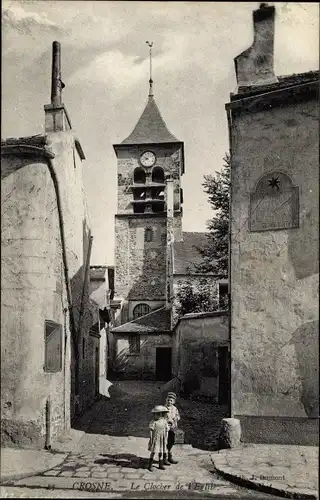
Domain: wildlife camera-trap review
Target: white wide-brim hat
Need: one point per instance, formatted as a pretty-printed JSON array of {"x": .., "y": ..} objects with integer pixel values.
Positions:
[{"x": 160, "y": 409}]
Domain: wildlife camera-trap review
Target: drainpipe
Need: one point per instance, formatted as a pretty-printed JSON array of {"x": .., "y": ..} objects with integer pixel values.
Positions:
[
  {"x": 64, "y": 368},
  {"x": 48, "y": 424},
  {"x": 229, "y": 118},
  {"x": 73, "y": 330}
]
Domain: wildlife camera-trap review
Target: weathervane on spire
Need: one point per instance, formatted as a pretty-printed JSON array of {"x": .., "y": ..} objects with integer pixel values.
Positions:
[{"x": 150, "y": 44}]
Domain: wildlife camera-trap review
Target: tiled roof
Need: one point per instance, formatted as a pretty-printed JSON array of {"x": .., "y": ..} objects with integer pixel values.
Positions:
[
  {"x": 186, "y": 253},
  {"x": 284, "y": 82},
  {"x": 157, "y": 321},
  {"x": 33, "y": 140},
  {"x": 151, "y": 128}
]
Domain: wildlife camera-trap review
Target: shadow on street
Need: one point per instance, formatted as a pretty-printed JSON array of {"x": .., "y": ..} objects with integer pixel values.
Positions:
[
  {"x": 128, "y": 412},
  {"x": 123, "y": 460}
]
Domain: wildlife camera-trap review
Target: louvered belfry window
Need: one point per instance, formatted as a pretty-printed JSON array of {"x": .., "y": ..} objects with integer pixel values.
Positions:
[{"x": 53, "y": 347}]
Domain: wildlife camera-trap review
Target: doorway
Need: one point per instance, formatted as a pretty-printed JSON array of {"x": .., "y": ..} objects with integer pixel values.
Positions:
[
  {"x": 163, "y": 363},
  {"x": 224, "y": 375}
]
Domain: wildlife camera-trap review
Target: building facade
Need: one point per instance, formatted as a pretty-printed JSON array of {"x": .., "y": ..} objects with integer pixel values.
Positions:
[
  {"x": 48, "y": 342},
  {"x": 153, "y": 254},
  {"x": 99, "y": 293},
  {"x": 201, "y": 355},
  {"x": 274, "y": 141},
  {"x": 148, "y": 219}
]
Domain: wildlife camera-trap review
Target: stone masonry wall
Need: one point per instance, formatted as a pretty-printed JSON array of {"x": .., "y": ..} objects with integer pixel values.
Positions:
[
  {"x": 195, "y": 351},
  {"x": 168, "y": 158},
  {"x": 33, "y": 288},
  {"x": 142, "y": 365},
  {"x": 140, "y": 265},
  {"x": 274, "y": 273},
  {"x": 32, "y": 291}
]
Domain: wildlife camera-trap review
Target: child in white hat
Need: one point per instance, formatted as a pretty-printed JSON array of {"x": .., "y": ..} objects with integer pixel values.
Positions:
[
  {"x": 158, "y": 435},
  {"x": 173, "y": 417}
]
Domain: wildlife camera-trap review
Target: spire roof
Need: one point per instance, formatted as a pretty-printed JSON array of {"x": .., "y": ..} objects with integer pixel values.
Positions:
[{"x": 151, "y": 127}]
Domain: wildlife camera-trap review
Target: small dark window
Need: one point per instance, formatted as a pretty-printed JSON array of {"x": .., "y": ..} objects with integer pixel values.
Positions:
[
  {"x": 134, "y": 344},
  {"x": 139, "y": 208},
  {"x": 83, "y": 347},
  {"x": 148, "y": 235},
  {"x": 223, "y": 295},
  {"x": 158, "y": 175},
  {"x": 157, "y": 207},
  {"x": 53, "y": 347},
  {"x": 140, "y": 310},
  {"x": 139, "y": 176}
]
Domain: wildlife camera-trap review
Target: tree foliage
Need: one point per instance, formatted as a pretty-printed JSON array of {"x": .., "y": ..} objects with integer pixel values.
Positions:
[
  {"x": 194, "y": 299},
  {"x": 215, "y": 253}
]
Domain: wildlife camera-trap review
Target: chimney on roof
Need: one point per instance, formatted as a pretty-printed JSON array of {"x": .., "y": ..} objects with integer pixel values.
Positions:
[
  {"x": 56, "y": 116},
  {"x": 254, "y": 66},
  {"x": 56, "y": 83}
]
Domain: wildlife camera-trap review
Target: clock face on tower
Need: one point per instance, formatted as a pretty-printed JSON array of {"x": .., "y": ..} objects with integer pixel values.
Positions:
[{"x": 147, "y": 159}]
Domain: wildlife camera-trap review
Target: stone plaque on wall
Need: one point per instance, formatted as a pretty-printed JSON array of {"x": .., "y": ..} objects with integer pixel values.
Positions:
[{"x": 274, "y": 204}]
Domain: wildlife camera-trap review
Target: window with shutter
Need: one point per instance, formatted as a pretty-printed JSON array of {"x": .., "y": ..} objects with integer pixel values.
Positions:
[{"x": 53, "y": 347}]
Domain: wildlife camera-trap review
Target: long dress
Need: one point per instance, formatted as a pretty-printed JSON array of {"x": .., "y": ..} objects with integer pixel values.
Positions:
[{"x": 159, "y": 436}]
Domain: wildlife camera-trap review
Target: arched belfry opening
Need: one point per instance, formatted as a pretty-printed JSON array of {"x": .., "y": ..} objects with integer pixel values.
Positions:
[
  {"x": 139, "y": 176},
  {"x": 157, "y": 175}
]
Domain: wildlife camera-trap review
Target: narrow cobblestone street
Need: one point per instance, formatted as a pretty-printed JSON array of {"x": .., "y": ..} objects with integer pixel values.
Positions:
[
  {"x": 114, "y": 448},
  {"x": 113, "y": 456}
]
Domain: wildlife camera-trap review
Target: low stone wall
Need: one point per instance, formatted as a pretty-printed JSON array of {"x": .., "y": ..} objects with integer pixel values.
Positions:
[{"x": 196, "y": 343}]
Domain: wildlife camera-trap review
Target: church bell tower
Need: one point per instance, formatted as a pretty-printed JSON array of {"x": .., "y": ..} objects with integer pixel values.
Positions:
[{"x": 148, "y": 160}]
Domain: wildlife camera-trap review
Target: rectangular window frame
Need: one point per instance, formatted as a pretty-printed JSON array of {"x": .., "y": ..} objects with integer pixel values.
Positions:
[
  {"x": 134, "y": 345},
  {"x": 52, "y": 328}
]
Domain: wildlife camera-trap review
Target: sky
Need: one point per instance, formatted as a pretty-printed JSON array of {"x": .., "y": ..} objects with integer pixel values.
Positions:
[{"x": 105, "y": 69}]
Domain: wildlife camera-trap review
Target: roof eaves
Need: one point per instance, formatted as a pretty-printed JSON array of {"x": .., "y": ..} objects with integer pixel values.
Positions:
[
  {"x": 260, "y": 101},
  {"x": 127, "y": 327},
  {"x": 146, "y": 144}
]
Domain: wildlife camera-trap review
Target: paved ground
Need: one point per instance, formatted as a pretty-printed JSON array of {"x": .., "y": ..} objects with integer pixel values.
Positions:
[
  {"x": 112, "y": 454},
  {"x": 131, "y": 404},
  {"x": 292, "y": 470},
  {"x": 16, "y": 462}
]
